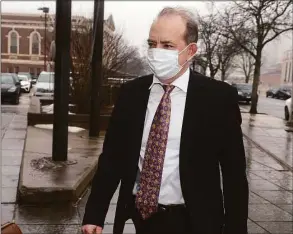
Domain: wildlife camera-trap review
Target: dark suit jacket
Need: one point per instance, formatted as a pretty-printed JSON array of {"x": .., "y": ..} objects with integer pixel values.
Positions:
[{"x": 211, "y": 139}]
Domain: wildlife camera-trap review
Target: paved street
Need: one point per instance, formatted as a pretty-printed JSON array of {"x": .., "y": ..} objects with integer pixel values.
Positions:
[
  {"x": 8, "y": 109},
  {"x": 8, "y": 112},
  {"x": 269, "y": 106}
]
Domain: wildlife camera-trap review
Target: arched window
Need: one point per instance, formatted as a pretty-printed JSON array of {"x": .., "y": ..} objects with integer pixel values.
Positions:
[
  {"x": 13, "y": 42},
  {"x": 35, "y": 43}
]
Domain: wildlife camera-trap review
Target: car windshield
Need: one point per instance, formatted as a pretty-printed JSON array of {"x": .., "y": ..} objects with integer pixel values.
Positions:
[
  {"x": 246, "y": 87},
  {"x": 46, "y": 78},
  {"x": 25, "y": 74},
  {"x": 6, "y": 79},
  {"x": 22, "y": 78}
]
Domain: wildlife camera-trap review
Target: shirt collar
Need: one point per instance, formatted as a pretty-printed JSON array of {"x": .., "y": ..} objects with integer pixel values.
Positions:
[{"x": 181, "y": 82}]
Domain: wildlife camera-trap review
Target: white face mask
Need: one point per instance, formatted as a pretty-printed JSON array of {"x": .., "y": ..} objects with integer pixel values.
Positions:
[{"x": 164, "y": 63}]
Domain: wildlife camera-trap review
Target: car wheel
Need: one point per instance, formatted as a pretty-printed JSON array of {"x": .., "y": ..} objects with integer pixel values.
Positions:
[
  {"x": 286, "y": 113},
  {"x": 16, "y": 100}
]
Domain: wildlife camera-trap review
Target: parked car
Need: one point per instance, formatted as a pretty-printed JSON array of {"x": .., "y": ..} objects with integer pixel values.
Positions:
[
  {"x": 288, "y": 109},
  {"x": 10, "y": 88},
  {"x": 34, "y": 79},
  {"x": 44, "y": 87},
  {"x": 29, "y": 77},
  {"x": 24, "y": 83},
  {"x": 283, "y": 93},
  {"x": 271, "y": 92},
  {"x": 244, "y": 92}
]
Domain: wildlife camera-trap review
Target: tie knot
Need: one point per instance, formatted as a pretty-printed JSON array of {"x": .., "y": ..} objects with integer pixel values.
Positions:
[{"x": 168, "y": 88}]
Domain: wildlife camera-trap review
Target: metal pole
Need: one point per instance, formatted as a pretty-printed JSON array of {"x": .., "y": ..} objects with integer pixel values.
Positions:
[
  {"x": 45, "y": 42},
  {"x": 61, "y": 89},
  {"x": 97, "y": 53}
]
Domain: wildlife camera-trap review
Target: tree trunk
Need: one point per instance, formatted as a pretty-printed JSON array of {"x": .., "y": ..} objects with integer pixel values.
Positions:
[
  {"x": 212, "y": 73},
  {"x": 246, "y": 79},
  {"x": 204, "y": 71},
  {"x": 223, "y": 75},
  {"x": 256, "y": 77}
]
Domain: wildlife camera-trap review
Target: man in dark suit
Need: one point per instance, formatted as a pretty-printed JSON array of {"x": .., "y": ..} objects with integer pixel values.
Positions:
[{"x": 170, "y": 135}]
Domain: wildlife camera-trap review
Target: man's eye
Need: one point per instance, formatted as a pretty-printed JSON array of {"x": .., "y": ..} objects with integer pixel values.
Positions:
[
  {"x": 168, "y": 46},
  {"x": 152, "y": 45}
]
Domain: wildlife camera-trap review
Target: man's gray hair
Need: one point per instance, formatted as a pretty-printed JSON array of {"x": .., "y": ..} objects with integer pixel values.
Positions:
[{"x": 191, "y": 33}]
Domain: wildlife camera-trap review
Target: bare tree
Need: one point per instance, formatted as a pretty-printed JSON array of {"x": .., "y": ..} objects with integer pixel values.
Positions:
[
  {"x": 226, "y": 52},
  {"x": 119, "y": 56},
  {"x": 116, "y": 53},
  {"x": 137, "y": 65},
  {"x": 218, "y": 51},
  {"x": 246, "y": 64},
  {"x": 209, "y": 38},
  {"x": 253, "y": 24},
  {"x": 199, "y": 63}
]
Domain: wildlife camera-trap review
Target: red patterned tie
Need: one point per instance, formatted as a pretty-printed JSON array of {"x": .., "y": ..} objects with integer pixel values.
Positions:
[{"x": 151, "y": 174}]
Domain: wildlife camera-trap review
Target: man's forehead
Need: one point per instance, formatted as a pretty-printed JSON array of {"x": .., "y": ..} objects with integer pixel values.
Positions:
[
  {"x": 167, "y": 29},
  {"x": 160, "y": 40},
  {"x": 165, "y": 36}
]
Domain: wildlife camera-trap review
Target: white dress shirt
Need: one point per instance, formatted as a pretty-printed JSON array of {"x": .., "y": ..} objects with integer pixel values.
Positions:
[{"x": 170, "y": 191}]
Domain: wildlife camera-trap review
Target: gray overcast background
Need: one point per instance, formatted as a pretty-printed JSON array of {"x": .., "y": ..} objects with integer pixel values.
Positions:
[{"x": 134, "y": 18}]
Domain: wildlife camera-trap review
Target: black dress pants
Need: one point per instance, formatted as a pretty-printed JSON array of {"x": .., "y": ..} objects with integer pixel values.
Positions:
[{"x": 168, "y": 220}]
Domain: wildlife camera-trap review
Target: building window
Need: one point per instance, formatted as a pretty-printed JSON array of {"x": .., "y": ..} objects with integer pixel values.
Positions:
[
  {"x": 35, "y": 43},
  {"x": 13, "y": 42}
]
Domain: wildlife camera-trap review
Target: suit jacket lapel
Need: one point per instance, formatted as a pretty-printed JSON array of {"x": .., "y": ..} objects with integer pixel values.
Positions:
[{"x": 141, "y": 97}]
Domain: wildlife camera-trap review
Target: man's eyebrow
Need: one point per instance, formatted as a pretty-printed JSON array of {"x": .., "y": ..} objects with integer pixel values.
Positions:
[
  {"x": 167, "y": 42},
  {"x": 163, "y": 42}
]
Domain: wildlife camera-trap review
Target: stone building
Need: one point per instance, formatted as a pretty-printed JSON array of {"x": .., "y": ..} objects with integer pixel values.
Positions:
[{"x": 23, "y": 41}]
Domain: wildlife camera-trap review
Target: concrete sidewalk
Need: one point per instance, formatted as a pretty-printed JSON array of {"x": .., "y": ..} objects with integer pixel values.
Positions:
[
  {"x": 270, "y": 133},
  {"x": 270, "y": 204},
  {"x": 12, "y": 145},
  {"x": 270, "y": 182}
]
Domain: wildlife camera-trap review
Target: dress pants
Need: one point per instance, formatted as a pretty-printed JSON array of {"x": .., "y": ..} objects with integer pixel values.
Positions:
[{"x": 168, "y": 220}]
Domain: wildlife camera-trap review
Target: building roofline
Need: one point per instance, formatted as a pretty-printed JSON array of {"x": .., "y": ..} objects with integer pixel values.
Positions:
[{"x": 20, "y": 14}]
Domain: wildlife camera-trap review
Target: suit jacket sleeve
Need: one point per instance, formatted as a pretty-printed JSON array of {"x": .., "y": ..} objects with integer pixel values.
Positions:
[
  {"x": 107, "y": 176},
  {"x": 233, "y": 167}
]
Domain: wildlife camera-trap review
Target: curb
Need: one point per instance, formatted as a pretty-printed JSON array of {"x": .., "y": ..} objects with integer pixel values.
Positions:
[{"x": 284, "y": 164}]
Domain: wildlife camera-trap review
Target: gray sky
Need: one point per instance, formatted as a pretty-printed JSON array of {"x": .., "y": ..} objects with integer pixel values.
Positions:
[{"x": 134, "y": 18}]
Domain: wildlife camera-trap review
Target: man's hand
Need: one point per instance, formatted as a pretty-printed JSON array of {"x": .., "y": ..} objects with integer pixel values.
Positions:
[{"x": 91, "y": 229}]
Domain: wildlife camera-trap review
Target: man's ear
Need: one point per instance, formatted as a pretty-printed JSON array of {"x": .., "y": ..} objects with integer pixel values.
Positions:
[{"x": 192, "y": 49}]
